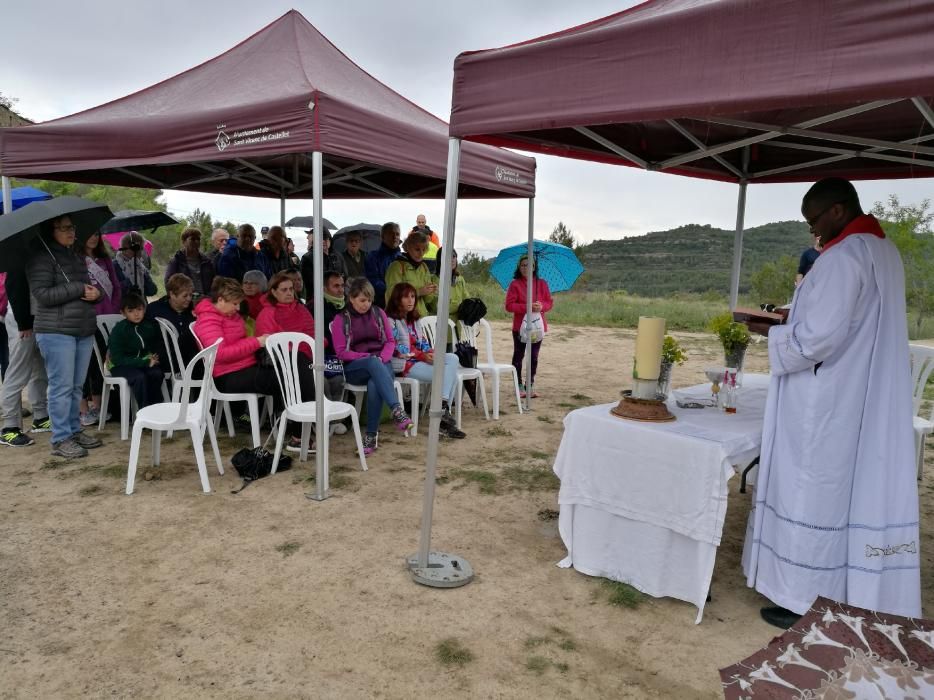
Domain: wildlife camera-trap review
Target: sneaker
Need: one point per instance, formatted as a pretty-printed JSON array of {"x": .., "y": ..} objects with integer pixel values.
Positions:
[
  {"x": 534, "y": 393},
  {"x": 87, "y": 441},
  {"x": 14, "y": 437},
  {"x": 68, "y": 448},
  {"x": 451, "y": 430},
  {"x": 370, "y": 443},
  {"x": 295, "y": 445},
  {"x": 92, "y": 417},
  {"x": 402, "y": 420},
  {"x": 522, "y": 391},
  {"x": 42, "y": 425}
]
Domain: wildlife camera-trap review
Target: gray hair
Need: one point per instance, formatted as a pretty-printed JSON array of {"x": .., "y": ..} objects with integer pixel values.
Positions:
[{"x": 256, "y": 277}]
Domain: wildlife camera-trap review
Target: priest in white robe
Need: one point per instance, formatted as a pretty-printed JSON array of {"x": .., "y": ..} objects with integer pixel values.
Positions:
[{"x": 835, "y": 510}]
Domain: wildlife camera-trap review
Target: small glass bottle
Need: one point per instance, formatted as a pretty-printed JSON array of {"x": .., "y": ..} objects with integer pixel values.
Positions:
[{"x": 728, "y": 393}]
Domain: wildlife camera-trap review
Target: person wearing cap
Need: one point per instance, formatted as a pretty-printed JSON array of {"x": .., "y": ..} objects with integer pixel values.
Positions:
[{"x": 330, "y": 261}]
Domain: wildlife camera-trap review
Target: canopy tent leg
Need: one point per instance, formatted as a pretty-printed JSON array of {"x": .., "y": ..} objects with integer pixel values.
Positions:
[
  {"x": 738, "y": 237},
  {"x": 321, "y": 430},
  {"x": 7, "y": 195},
  {"x": 282, "y": 205},
  {"x": 528, "y": 306},
  {"x": 439, "y": 569}
]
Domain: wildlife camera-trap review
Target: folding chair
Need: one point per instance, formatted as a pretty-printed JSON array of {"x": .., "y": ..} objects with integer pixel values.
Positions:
[
  {"x": 922, "y": 362},
  {"x": 490, "y": 366}
]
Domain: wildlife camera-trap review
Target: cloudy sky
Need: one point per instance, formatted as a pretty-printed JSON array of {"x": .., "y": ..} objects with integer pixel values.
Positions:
[{"x": 64, "y": 56}]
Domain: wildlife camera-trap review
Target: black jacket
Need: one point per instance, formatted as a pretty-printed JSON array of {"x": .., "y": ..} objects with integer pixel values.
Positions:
[
  {"x": 17, "y": 291},
  {"x": 57, "y": 276}
]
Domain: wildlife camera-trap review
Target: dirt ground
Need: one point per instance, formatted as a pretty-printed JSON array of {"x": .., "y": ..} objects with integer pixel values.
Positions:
[{"x": 173, "y": 593}]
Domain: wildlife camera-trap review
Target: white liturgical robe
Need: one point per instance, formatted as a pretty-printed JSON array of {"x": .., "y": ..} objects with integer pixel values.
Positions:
[{"x": 835, "y": 511}]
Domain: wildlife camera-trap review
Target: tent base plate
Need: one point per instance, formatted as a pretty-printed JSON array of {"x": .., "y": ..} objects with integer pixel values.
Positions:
[
  {"x": 314, "y": 496},
  {"x": 443, "y": 570}
]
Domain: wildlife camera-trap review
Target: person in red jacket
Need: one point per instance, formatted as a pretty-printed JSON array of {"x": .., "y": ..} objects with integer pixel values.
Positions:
[
  {"x": 516, "y": 296},
  {"x": 284, "y": 313},
  {"x": 236, "y": 368}
]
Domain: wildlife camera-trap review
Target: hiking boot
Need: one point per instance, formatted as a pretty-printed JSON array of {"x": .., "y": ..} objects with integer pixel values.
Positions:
[
  {"x": 402, "y": 420},
  {"x": 370, "y": 443},
  {"x": 42, "y": 425},
  {"x": 295, "y": 445},
  {"x": 86, "y": 441},
  {"x": 68, "y": 448},
  {"x": 14, "y": 437}
]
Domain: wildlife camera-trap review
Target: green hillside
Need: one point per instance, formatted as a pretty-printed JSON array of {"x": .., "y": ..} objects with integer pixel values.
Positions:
[{"x": 691, "y": 258}]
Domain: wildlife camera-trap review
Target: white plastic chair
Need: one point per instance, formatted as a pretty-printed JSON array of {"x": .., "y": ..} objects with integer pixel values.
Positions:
[
  {"x": 123, "y": 390},
  {"x": 922, "y": 362},
  {"x": 193, "y": 416},
  {"x": 223, "y": 404},
  {"x": 284, "y": 350},
  {"x": 176, "y": 372},
  {"x": 427, "y": 326},
  {"x": 490, "y": 366}
]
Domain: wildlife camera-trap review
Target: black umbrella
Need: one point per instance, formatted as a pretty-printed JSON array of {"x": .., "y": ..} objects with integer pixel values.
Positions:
[
  {"x": 369, "y": 232},
  {"x": 22, "y": 226},
  {"x": 307, "y": 222},
  {"x": 137, "y": 220}
]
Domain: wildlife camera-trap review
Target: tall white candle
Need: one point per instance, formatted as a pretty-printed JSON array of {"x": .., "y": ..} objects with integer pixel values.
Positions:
[{"x": 649, "y": 339}]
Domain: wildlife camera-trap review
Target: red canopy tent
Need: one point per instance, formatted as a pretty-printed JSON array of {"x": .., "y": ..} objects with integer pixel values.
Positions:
[
  {"x": 734, "y": 90},
  {"x": 281, "y": 114}
]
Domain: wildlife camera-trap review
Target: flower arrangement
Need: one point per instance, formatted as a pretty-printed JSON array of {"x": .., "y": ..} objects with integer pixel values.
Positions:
[
  {"x": 733, "y": 335},
  {"x": 672, "y": 352}
]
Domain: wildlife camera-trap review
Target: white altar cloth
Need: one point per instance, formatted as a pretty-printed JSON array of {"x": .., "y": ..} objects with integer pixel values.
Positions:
[{"x": 644, "y": 503}]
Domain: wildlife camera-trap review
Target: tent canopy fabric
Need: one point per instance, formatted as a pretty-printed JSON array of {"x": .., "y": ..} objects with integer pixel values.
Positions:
[
  {"x": 245, "y": 122},
  {"x": 813, "y": 89}
]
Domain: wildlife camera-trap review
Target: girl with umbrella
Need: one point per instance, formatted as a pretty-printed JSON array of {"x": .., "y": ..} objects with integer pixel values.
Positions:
[{"x": 516, "y": 300}]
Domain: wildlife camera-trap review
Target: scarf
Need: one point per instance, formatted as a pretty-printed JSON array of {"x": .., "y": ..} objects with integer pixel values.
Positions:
[
  {"x": 336, "y": 302},
  {"x": 99, "y": 276},
  {"x": 865, "y": 223}
]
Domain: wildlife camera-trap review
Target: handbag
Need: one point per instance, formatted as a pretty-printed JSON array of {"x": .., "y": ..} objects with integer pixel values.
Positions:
[
  {"x": 254, "y": 463},
  {"x": 533, "y": 328},
  {"x": 471, "y": 311},
  {"x": 333, "y": 367},
  {"x": 467, "y": 356}
]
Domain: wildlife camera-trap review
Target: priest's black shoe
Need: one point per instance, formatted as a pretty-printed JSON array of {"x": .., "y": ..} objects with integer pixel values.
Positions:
[{"x": 779, "y": 617}]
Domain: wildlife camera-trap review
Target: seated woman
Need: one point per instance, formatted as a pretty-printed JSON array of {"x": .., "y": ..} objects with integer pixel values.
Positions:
[
  {"x": 189, "y": 260},
  {"x": 176, "y": 308},
  {"x": 284, "y": 313},
  {"x": 363, "y": 341},
  {"x": 254, "y": 287},
  {"x": 414, "y": 357},
  {"x": 236, "y": 369},
  {"x": 412, "y": 268}
]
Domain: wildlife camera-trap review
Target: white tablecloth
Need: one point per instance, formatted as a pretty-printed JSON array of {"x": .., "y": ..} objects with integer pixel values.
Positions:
[{"x": 644, "y": 503}]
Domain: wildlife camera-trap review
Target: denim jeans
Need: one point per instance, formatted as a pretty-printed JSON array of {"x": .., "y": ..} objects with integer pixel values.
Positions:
[
  {"x": 378, "y": 378},
  {"x": 66, "y": 364},
  {"x": 424, "y": 372}
]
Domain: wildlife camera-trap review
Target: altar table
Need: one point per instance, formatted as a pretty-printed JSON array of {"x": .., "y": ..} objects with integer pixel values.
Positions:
[{"x": 644, "y": 503}]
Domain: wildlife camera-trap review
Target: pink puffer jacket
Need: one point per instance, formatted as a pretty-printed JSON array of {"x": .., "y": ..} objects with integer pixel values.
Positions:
[
  {"x": 286, "y": 318},
  {"x": 237, "y": 350}
]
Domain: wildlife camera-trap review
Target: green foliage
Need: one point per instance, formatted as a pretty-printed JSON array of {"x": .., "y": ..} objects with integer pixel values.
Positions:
[
  {"x": 672, "y": 351},
  {"x": 909, "y": 228},
  {"x": 7, "y": 102},
  {"x": 474, "y": 268},
  {"x": 732, "y": 335},
  {"x": 452, "y": 652},
  {"x": 562, "y": 234},
  {"x": 691, "y": 259},
  {"x": 774, "y": 282}
]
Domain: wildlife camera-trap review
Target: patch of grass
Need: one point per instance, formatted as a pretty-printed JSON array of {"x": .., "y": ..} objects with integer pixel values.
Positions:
[
  {"x": 91, "y": 490},
  {"x": 545, "y": 419},
  {"x": 337, "y": 479},
  {"x": 565, "y": 404},
  {"x": 536, "y": 454},
  {"x": 533, "y": 642},
  {"x": 408, "y": 457},
  {"x": 537, "y": 664},
  {"x": 443, "y": 479},
  {"x": 567, "y": 644},
  {"x": 451, "y": 652},
  {"x": 288, "y": 548},
  {"x": 546, "y": 514},
  {"x": 622, "y": 595},
  {"x": 402, "y": 468},
  {"x": 562, "y": 667},
  {"x": 485, "y": 480},
  {"x": 531, "y": 479},
  {"x": 581, "y": 397},
  {"x": 55, "y": 463},
  {"x": 499, "y": 431}
]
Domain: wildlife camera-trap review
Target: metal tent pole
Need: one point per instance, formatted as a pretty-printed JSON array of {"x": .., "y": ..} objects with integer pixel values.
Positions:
[
  {"x": 7, "y": 195},
  {"x": 439, "y": 569},
  {"x": 738, "y": 237},
  {"x": 282, "y": 209},
  {"x": 528, "y": 305},
  {"x": 321, "y": 431}
]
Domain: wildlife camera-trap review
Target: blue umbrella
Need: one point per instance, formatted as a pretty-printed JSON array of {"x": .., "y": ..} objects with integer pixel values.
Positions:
[
  {"x": 557, "y": 264},
  {"x": 24, "y": 195}
]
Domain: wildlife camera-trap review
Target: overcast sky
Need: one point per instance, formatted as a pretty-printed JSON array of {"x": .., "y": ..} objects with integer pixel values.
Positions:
[{"x": 64, "y": 56}]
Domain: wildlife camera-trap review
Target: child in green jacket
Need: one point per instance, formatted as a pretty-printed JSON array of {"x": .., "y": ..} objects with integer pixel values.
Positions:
[{"x": 133, "y": 352}]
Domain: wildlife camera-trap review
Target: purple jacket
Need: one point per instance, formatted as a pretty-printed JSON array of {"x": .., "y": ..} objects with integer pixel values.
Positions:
[
  {"x": 364, "y": 334},
  {"x": 108, "y": 305}
]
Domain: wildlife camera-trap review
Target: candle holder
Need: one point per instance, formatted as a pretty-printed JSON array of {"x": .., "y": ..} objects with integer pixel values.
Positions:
[{"x": 643, "y": 402}]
